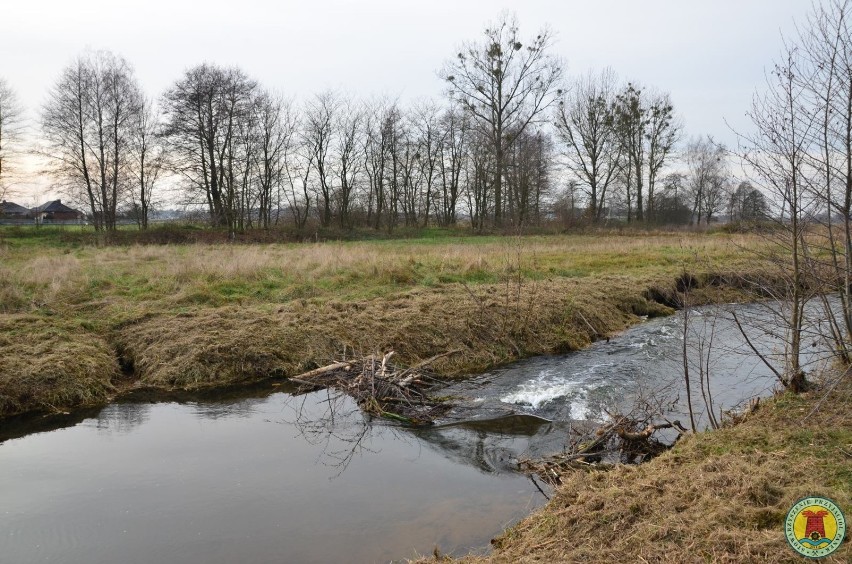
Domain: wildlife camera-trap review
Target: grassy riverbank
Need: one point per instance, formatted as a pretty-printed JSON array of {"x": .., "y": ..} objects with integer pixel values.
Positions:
[
  {"x": 719, "y": 496},
  {"x": 81, "y": 321}
]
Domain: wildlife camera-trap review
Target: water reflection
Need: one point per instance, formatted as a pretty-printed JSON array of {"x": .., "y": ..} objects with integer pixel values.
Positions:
[
  {"x": 122, "y": 418},
  {"x": 161, "y": 482}
]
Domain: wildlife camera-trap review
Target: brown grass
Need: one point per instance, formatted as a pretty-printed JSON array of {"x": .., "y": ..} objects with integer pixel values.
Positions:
[
  {"x": 492, "y": 324},
  {"x": 200, "y": 316},
  {"x": 716, "y": 497},
  {"x": 48, "y": 365}
]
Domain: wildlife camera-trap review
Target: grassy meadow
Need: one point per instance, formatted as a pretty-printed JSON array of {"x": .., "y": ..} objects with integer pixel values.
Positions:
[{"x": 81, "y": 320}]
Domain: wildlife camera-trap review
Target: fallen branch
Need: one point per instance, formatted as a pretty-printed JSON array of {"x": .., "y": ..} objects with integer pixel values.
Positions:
[
  {"x": 617, "y": 441},
  {"x": 646, "y": 433},
  {"x": 323, "y": 370},
  {"x": 380, "y": 389}
]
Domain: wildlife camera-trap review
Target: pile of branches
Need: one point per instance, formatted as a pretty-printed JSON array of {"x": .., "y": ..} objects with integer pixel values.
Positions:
[
  {"x": 624, "y": 440},
  {"x": 381, "y": 388}
]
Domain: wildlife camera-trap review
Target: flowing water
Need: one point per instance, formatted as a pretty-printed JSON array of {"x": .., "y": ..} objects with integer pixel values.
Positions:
[{"x": 289, "y": 478}]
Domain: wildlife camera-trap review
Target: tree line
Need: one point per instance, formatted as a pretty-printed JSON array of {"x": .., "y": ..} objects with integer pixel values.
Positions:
[{"x": 513, "y": 143}]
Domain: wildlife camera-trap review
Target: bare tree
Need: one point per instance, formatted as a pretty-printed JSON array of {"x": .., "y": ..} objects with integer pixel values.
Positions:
[
  {"x": 777, "y": 154},
  {"x": 585, "y": 123},
  {"x": 148, "y": 160},
  {"x": 630, "y": 122},
  {"x": 427, "y": 125},
  {"x": 528, "y": 176},
  {"x": 826, "y": 52},
  {"x": 663, "y": 132},
  {"x": 349, "y": 147},
  {"x": 747, "y": 203},
  {"x": 11, "y": 128},
  {"x": 321, "y": 114},
  {"x": 707, "y": 175},
  {"x": 203, "y": 113},
  {"x": 451, "y": 162},
  {"x": 88, "y": 126},
  {"x": 505, "y": 85},
  {"x": 376, "y": 155},
  {"x": 648, "y": 130},
  {"x": 275, "y": 140}
]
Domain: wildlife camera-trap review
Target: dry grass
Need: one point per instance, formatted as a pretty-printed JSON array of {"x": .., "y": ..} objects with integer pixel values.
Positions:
[
  {"x": 717, "y": 497},
  {"x": 172, "y": 276},
  {"x": 195, "y": 316},
  {"x": 48, "y": 365},
  {"x": 205, "y": 346}
]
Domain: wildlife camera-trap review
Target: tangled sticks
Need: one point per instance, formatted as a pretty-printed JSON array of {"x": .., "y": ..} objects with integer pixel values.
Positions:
[
  {"x": 623, "y": 440},
  {"x": 382, "y": 389}
]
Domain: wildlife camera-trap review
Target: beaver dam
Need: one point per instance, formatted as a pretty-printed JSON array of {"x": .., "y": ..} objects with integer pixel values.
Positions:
[{"x": 301, "y": 473}]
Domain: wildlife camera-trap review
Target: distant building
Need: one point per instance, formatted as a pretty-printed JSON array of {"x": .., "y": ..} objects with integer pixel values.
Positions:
[
  {"x": 56, "y": 212},
  {"x": 11, "y": 210}
]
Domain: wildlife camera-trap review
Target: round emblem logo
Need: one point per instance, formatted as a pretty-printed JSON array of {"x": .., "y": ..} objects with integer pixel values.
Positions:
[{"x": 815, "y": 527}]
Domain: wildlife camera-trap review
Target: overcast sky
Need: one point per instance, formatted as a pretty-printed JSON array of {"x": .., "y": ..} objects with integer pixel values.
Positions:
[{"x": 710, "y": 55}]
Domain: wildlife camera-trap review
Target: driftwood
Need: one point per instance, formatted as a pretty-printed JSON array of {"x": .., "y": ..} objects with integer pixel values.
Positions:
[
  {"x": 380, "y": 388},
  {"x": 649, "y": 430},
  {"x": 622, "y": 440},
  {"x": 320, "y": 371}
]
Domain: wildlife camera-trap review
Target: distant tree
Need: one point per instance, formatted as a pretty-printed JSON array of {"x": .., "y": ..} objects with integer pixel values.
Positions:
[
  {"x": 426, "y": 123},
  {"x": 707, "y": 178},
  {"x": 648, "y": 131},
  {"x": 275, "y": 142},
  {"x": 528, "y": 176},
  {"x": 671, "y": 210},
  {"x": 505, "y": 84},
  {"x": 349, "y": 165},
  {"x": 147, "y": 160},
  {"x": 747, "y": 203},
  {"x": 11, "y": 125},
  {"x": 585, "y": 123},
  {"x": 379, "y": 131},
  {"x": 672, "y": 207},
  {"x": 88, "y": 127},
  {"x": 452, "y": 156},
  {"x": 320, "y": 119},
  {"x": 205, "y": 113}
]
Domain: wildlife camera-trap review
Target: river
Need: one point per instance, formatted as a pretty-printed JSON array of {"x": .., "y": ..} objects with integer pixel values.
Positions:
[{"x": 279, "y": 477}]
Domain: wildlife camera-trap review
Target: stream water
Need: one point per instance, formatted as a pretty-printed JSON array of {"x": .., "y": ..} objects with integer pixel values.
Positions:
[{"x": 289, "y": 478}]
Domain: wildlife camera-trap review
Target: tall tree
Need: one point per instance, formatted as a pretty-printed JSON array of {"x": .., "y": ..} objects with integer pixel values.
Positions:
[
  {"x": 630, "y": 120},
  {"x": 707, "y": 166},
  {"x": 648, "y": 131},
  {"x": 505, "y": 84},
  {"x": 321, "y": 115},
  {"x": 11, "y": 125},
  {"x": 203, "y": 112},
  {"x": 585, "y": 123},
  {"x": 777, "y": 153},
  {"x": 148, "y": 159},
  {"x": 275, "y": 142},
  {"x": 88, "y": 125},
  {"x": 662, "y": 133},
  {"x": 349, "y": 166}
]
